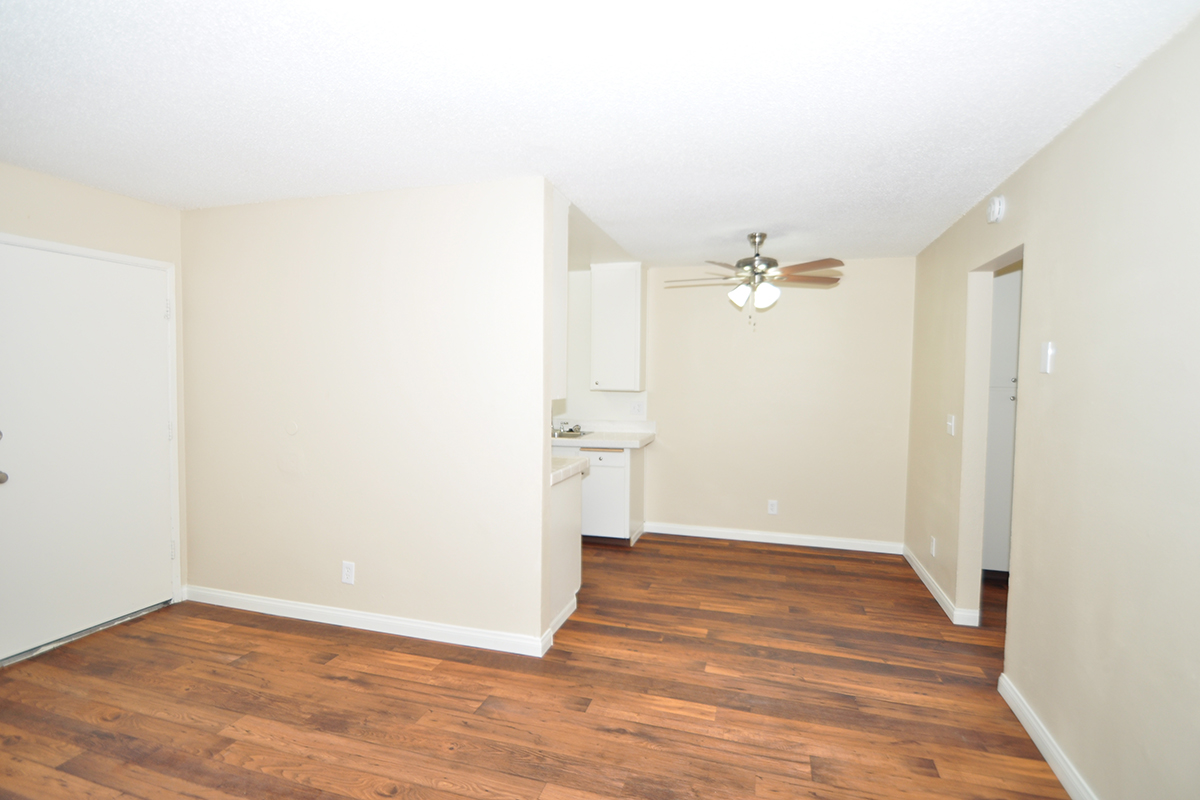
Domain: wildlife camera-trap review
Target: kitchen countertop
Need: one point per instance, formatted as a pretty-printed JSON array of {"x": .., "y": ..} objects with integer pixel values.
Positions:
[
  {"x": 563, "y": 467},
  {"x": 615, "y": 439}
]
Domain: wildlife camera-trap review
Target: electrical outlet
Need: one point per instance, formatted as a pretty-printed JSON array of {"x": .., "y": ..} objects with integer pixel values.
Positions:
[
  {"x": 932, "y": 546},
  {"x": 772, "y": 506},
  {"x": 950, "y": 424},
  {"x": 637, "y": 407},
  {"x": 347, "y": 572}
]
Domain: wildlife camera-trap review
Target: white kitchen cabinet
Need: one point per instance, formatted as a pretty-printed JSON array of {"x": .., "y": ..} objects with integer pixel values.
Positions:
[
  {"x": 618, "y": 328},
  {"x": 613, "y": 506}
]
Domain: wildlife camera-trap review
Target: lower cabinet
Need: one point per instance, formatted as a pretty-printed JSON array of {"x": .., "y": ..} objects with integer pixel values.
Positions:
[
  {"x": 612, "y": 492},
  {"x": 561, "y": 556}
]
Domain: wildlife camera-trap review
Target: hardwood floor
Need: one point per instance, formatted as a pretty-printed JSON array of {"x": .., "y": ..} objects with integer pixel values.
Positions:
[{"x": 692, "y": 669}]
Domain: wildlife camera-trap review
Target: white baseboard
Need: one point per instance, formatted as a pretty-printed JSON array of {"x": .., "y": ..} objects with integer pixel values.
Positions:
[
  {"x": 1066, "y": 772},
  {"x": 959, "y": 616},
  {"x": 555, "y": 624},
  {"x": 773, "y": 537},
  {"x": 381, "y": 623}
]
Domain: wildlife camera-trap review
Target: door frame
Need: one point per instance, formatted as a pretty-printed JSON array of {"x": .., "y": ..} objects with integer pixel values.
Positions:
[
  {"x": 172, "y": 309},
  {"x": 973, "y": 477}
]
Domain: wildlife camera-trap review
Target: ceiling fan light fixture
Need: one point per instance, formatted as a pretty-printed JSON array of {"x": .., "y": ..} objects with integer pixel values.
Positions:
[
  {"x": 765, "y": 295},
  {"x": 758, "y": 274},
  {"x": 740, "y": 294}
]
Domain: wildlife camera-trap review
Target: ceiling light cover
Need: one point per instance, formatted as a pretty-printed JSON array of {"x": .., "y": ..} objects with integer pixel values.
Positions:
[
  {"x": 765, "y": 295},
  {"x": 740, "y": 294}
]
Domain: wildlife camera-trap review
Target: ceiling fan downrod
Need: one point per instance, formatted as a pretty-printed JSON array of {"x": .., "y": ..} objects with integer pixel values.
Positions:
[{"x": 756, "y": 240}]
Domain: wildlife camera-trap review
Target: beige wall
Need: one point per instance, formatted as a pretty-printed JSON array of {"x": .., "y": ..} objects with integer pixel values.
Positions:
[
  {"x": 43, "y": 207},
  {"x": 805, "y": 403},
  {"x": 40, "y": 206},
  {"x": 1101, "y": 628},
  {"x": 401, "y": 336}
]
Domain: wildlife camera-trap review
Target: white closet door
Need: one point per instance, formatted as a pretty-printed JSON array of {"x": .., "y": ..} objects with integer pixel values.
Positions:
[{"x": 86, "y": 520}]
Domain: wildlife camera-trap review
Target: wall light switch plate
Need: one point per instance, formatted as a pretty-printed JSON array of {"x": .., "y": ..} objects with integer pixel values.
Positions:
[
  {"x": 347, "y": 572},
  {"x": 950, "y": 424},
  {"x": 1048, "y": 357},
  {"x": 932, "y": 546},
  {"x": 772, "y": 506}
]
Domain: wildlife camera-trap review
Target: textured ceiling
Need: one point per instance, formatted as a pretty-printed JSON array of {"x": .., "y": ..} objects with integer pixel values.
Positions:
[{"x": 848, "y": 128}]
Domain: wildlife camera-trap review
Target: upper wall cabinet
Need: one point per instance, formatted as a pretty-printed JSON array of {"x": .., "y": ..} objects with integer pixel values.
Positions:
[{"x": 618, "y": 327}]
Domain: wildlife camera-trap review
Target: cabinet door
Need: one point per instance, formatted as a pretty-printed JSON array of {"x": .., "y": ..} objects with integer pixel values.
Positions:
[
  {"x": 605, "y": 502},
  {"x": 616, "y": 327}
]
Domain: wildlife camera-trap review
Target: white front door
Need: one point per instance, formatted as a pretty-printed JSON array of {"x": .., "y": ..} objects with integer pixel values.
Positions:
[{"x": 87, "y": 527}]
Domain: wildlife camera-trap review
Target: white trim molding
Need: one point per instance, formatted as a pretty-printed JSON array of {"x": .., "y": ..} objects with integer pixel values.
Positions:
[
  {"x": 555, "y": 624},
  {"x": 959, "y": 616},
  {"x": 774, "y": 537},
  {"x": 1066, "y": 772},
  {"x": 381, "y": 623}
]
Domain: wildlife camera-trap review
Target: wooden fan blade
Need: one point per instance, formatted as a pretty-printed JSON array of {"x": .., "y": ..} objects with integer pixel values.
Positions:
[
  {"x": 811, "y": 266},
  {"x": 722, "y": 264},
  {"x": 694, "y": 285},
  {"x": 817, "y": 279},
  {"x": 715, "y": 278}
]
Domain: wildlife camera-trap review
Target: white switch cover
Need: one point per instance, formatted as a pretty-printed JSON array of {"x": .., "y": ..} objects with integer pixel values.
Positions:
[
  {"x": 772, "y": 506},
  {"x": 1047, "y": 357},
  {"x": 347, "y": 572},
  {"x": 932, "y": 546},
  {"x": 950, "y": 424},
  {"x": 637, "y": 407}
]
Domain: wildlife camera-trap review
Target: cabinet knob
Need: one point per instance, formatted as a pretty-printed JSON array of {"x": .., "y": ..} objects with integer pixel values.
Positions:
[
  {"x": 3, "y": 477},
  {"x": 1014, "y": 380},
  {"x": 1013, "y": 397}
]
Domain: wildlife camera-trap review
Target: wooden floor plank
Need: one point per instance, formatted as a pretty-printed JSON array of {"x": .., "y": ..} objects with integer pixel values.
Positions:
[
  {"x": 33, "y": 780},
  {"x": 691, "y": 669},
  {"x": 382, "y": 761},
  {"x": 136, "y": 780},
  {"x": 163, "y": 705},
  {"x": 44, "y": 750},
  {"x": 113, "y": 719}
]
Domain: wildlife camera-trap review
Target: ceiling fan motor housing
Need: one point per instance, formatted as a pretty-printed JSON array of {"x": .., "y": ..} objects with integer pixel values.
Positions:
[{"x": 757, "y": 263}]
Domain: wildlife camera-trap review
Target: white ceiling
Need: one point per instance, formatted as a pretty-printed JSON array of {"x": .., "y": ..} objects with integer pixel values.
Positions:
[{"x": 849, "y": 128}]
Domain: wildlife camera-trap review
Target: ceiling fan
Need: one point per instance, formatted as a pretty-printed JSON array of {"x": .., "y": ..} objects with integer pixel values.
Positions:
[{"x": 758, "y": 274}]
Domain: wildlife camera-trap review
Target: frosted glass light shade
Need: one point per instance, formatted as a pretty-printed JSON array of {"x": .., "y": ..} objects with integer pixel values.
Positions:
[
  {"x": 740, "y": 294},
  {"x": 765, "y": 295}
]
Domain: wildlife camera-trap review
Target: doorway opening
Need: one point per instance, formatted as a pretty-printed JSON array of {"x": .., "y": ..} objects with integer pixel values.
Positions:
[
  {"x": 985, "y": 499},
  {"x": 1002, "y": 418}
]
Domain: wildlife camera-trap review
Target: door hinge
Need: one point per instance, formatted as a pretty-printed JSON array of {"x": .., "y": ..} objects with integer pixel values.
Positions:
[
  {"x": 170, "y": 431},
  {"x": 168, "y": 314},
  {"x": 172, "y": 549}
]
